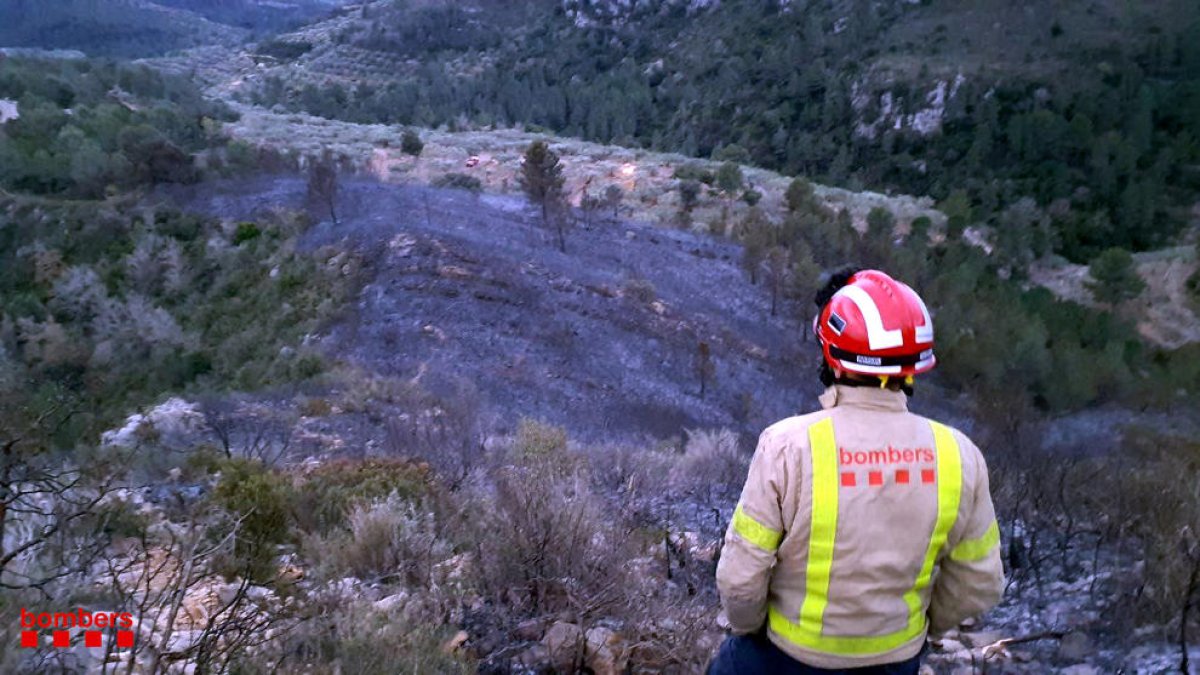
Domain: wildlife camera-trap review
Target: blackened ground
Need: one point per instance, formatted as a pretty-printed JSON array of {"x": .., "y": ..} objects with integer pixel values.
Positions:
[
  {"x": 468, "y": 288},
  {"x": 471, "y": 287}
]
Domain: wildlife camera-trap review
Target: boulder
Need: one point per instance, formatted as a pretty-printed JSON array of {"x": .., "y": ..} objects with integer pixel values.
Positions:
[
  {"x": 535, "y": 657},
  {"x": 392, "y": 602},
  {"x": 1075, "y": 646},
  {"x": 175, "y": 423},
  {"x": 948, "y": 645},
  {"x": 605, "y": 652},
  {"x": 529, "y": 630},
  {"x": 982, "y": 638},
  {"x": 455, "y": 643},
  {"x": 562, "y": 641}
]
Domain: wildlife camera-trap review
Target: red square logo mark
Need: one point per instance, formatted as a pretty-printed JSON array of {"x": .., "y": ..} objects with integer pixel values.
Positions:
[
  {"x": 902, "y": 476},
  {"x": 62, "y": 638},
  {"x": 93, "y": 638},
  {"x": 124, "y": 638},
  {"x": 875, "y": 478},
  {"x": 29, "y": 639},
  {"x": 848, "y": 479},
  {"x": 928, "y": 475}
]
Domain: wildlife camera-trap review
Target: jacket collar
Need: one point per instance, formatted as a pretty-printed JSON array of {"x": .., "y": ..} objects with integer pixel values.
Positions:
[{"x": 870, "y": 398}]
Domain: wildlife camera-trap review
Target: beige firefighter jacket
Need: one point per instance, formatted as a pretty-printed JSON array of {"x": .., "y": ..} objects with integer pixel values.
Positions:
[{"x": 861, "y": 529}]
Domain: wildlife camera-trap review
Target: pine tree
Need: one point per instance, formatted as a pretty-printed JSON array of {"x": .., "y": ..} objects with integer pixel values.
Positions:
[
  {"x": 542, "y": 180},
  {"x": 729, "y": 179},
  {"x": 1114, "y": 278},
  {"x": 802, "y": 281},
  {"x": 411, "y": 143},
  {"x": 729, "y": 182},
  {"x": 799, "y": 196},
  {"x": 877, "y": 248},
  {"x": 756, "y": 236}
]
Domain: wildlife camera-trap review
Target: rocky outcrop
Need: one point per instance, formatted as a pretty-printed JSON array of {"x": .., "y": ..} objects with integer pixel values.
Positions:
[
  {"x": 608, "y": 12},
  {"x": 882, "y": 111}
]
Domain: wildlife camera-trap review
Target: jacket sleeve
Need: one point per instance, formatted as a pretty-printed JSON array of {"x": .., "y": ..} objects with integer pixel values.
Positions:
[
  {"x": 971, "y": 576},
  {"x": 744, "y": 571}
]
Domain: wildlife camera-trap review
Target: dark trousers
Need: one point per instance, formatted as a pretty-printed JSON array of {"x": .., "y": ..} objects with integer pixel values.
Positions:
[{"x": 757, "y": 655}]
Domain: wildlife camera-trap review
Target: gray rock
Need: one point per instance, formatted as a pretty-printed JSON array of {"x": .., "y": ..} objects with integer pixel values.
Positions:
[
  {"x": 948, "y": 645},
  {"x": 1075, "y": 646},
  {"x": 562, "y": 642},
  {"x": 533, "y": 657},
  {"x": 530, "y": 630},
  {"x": 605, "y": 652},
  {"x": 982, "y": 638}
]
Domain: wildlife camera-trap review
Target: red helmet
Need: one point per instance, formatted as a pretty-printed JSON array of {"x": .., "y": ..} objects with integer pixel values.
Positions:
[{"x": 875, "y": 325}]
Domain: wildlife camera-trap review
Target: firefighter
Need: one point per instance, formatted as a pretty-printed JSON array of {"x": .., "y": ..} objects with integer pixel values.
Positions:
[{"x": 862, "y": 528}]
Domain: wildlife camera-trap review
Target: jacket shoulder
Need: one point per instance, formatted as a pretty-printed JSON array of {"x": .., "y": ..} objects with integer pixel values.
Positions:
[
  {"x": 967, "y": 449},
  {"x": 791, "y": 429}
]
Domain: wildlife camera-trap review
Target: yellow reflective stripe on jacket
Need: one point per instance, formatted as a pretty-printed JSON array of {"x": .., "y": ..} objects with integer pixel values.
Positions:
[
  {"x": 823, "y": 524},
  {"x": 755, "y": 532},
  {"x": 970, "y": 550},
  {"x": 808, "y": 632},
  {"x": 949, "y": 487}
]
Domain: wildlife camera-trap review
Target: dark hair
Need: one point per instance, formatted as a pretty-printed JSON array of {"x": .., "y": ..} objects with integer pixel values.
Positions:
[
  {"x": 836, "y": 281},
  {"x": 832, "y": 285}
]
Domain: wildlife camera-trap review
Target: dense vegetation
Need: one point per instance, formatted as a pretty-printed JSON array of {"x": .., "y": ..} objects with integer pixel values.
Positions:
[
  {"x": 94, "y": 279},
  {"x": 253, "y": 15},
  {"x": 87, "y": 127},
  {"x": 1108, "y": 154},
  {"x": 125, "y": 28},
  {"x": 997, "y": 339}
]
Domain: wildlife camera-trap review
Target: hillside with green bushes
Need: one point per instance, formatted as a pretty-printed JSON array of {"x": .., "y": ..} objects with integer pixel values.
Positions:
[{"x": 1090, "y": 109}]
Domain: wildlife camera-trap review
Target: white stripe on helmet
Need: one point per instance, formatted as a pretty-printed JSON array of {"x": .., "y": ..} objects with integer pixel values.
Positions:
[
  {"x": 877, "y": 336},
  {"x": 924, "y": 331}
]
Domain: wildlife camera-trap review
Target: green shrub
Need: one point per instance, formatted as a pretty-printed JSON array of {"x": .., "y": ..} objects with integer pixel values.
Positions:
[
  {"x": 246, "y": 232},
  {"x": 326, "y": 495},
  {"x": 542, "y": 449},
  {"x": 411, "y": 143},
  {"x": 120, "y": 519},
  {"x": 262, "y": 501},
  {"x": 695, "y": 171},
  {"x": 458, "y": 181},
  {"x": 285, "y": 50}
]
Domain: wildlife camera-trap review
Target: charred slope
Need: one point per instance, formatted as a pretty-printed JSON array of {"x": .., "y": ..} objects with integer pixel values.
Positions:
[{"x": 603, "y": 339}]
